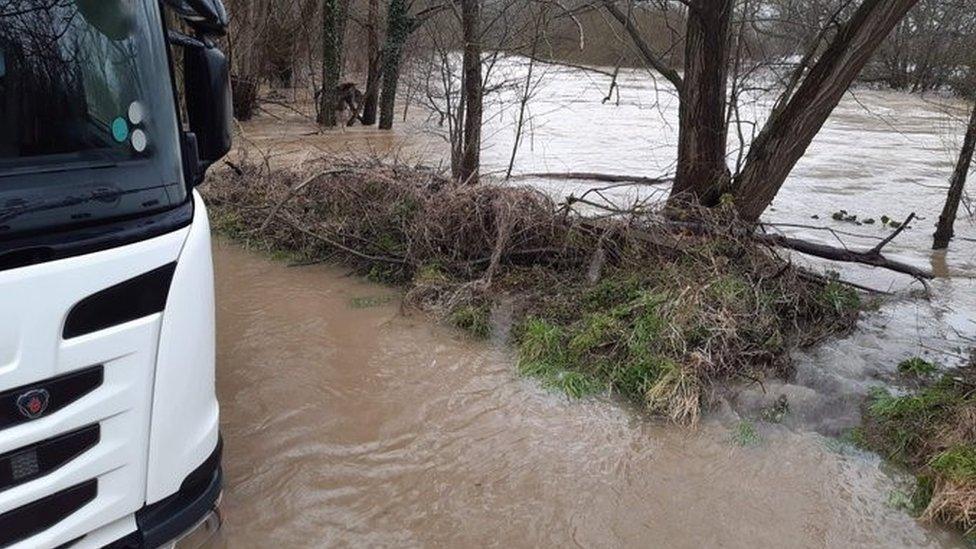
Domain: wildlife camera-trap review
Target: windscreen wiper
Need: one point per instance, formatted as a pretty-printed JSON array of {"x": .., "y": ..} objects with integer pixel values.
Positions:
[
  {"x": 99, "y": 195},
  {"x": 61, "y": 167}
]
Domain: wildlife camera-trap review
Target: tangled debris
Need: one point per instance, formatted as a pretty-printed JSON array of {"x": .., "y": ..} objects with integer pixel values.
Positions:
[
  {"x": 628, "y": 302},
  {"x": 931, "y": 431}
]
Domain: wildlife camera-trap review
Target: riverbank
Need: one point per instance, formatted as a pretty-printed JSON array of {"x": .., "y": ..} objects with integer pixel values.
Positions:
[
  {"x": 627, "y": 305},
  {"x": 931, "y": 430},
  {"x": 903, "y": 159}
]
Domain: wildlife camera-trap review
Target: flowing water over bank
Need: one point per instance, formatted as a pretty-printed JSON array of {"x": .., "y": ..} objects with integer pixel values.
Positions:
[
  {"x": 880, "y": 154},
  {"x": 349, "y": 423}
]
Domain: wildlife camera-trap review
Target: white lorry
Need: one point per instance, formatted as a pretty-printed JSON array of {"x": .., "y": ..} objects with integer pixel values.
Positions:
[{"x": 108, "y": 414}]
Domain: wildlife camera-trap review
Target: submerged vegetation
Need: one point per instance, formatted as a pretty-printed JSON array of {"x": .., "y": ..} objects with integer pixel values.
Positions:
[
  {"x": 655, "y": 310},
  {"x": 931, "y": 431},
  {"x": 917, "y": 366}
]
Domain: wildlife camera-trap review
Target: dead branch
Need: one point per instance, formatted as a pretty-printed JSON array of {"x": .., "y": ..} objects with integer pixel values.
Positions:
[
  {"x": 602, "y": 177},
  {"x": 652, "y": 58},
  {"x": 292, "y": 192},
  {"x": 824, "y": 279},
  {"x": 902, "y": 227},
  {"x": 337, "y": 244},
  {"x": 872, "y": 257}
]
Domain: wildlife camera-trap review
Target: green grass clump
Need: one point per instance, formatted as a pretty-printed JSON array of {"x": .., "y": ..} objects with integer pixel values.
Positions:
[
  {"x": 745, "y": 435},
  {"x": 777, "y": 411},
  {"x": 732, "y": 290},
  {"x": 957, "y": 463},
  {"x": 594, "y": 331},
  {"x": 660, "y": 337},
  {"x": 840, "y": 298},
  {"x": 916, "y": 366},
  {"x": 544, "y": 354},
  {"x": 474, "y": 319},
  {"x": 932, "y": 432},
  {"x": 229, "y": 223}
]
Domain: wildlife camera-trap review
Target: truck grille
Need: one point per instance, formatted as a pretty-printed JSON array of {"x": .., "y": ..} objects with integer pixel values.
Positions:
[
  {"x": 62, "y": 391},
  {"x": 34, "y": 461},
  {"x": 24, "y": 522}
]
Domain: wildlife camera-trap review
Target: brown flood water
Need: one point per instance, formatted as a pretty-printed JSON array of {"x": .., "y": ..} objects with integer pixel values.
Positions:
[{"x": 365, "y": 426}]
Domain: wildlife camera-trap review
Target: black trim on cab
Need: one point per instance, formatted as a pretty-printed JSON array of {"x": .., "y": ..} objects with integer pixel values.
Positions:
[
  {"x": 135, "y": 298},
  {"x": 33, "y": 518},
  {"x": 51, "y": 246},
  {"x": 166, "y": 520},
  {"x": 39, "y": 459},
  {"x": 61, "y": 391}
]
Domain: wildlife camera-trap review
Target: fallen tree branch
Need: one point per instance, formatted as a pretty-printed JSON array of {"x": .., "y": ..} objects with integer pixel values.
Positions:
[
  {"x": 602, "y": 177},
  {"x": 871, "y": 257}
]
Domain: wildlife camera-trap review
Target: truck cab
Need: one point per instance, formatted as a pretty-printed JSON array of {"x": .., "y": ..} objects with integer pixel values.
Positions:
[{"x": 109, "y": 430}]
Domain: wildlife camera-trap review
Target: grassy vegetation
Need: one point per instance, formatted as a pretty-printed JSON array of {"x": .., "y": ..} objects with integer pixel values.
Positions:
[
  {"x": 661, "y": 336},
  {"x": 746, "y": 435},
  {"x": 668, "y": 313},
  {"x": 917, "y": 366},
  {"x": 931, "y": 431},
  {"x": 474, "y": 319}
]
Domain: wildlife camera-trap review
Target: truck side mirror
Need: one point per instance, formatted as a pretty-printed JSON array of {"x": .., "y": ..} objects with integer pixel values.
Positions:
[
  {"x": 208, "y": 17},
  {"x": 209, "y": 104}
]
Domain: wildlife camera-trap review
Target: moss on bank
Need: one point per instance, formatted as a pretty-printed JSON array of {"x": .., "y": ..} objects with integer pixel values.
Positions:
[
  {"x": 932, "y": 432},
  {"x": 632, "y": 304}
]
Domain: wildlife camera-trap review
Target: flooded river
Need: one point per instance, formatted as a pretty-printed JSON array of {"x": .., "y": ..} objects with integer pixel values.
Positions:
[
  {"x": 361, "y": 426},
  {"x": 350, "y": 423}
]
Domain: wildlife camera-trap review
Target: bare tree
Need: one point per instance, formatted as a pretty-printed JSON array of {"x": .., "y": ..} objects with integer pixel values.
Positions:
[
  {"x": 815, "y": 89},
  {"x": 375, "y": 59},
  {"x": 333, "y": 34},
  {"x": 399, "y": 26},
  {"x": 944, "y": 229},
  {"x": 473, "y": 91},
  {"x": 702, "y": 140},
  {"x": 800, "y": 114}
]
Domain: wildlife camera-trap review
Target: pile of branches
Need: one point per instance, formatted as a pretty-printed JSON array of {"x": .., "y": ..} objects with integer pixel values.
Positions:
[{"x": 636, "y": 303}]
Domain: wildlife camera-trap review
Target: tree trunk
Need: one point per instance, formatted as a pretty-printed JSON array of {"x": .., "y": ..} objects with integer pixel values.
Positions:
[
  {"x": 373, "y": 76},
  {"x": 333, "y": 27},
  {"x": 398, "y": 28},
  {"x": 797, "y": 120},
  {"x": 473, "y": 89},
  {"x": 702, "y": 172},
  {"x": 944, "y": 231}
]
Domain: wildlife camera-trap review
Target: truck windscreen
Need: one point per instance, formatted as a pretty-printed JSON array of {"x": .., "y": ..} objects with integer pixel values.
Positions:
[{"x": 88, "y": 128}]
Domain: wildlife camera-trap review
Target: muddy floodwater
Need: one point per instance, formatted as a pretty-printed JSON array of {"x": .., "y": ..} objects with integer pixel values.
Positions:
[{"x": 349, "y": 422}]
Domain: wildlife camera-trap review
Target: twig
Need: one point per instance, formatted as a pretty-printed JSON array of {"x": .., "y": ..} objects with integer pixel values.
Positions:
[
  {"x": 291, "y": 194},
  {"x": 236, "y": 169},
  {"x": 331, "y": 242},
  {"x": 877, "y": 249},
  {"x": 820, "y": 278}
]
